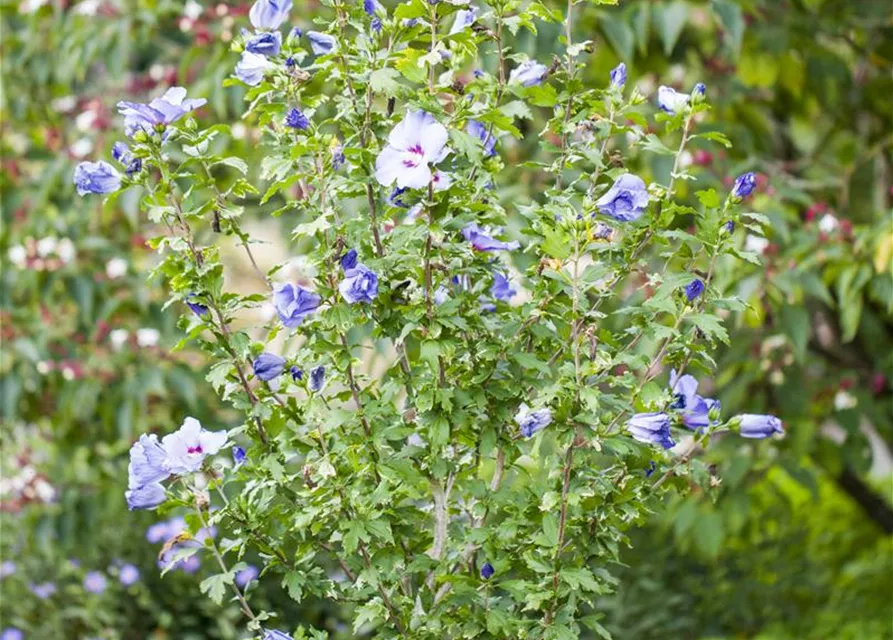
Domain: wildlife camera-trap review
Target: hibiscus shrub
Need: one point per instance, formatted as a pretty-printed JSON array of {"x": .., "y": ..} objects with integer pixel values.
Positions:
[{"x": 476, "y": 475}]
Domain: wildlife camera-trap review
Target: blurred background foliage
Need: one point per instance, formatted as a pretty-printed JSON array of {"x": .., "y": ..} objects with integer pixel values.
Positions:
[{"x": 795, "y": 540}]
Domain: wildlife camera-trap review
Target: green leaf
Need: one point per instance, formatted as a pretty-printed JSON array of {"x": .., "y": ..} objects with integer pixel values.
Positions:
[
  {"x": 530, "y": 361},
  {"x": 215, "y": 586},
  {"x": 293, "y": 582},
  {"x": 709, "y": 198},
  {"x": 619, "y": 36},
  {"x": 236, "y": 163},
  {"x": 710, "y": 326},
  {"x": 670, "y": 19},
  {"x": 732, "y": 19},
  {"x": 384, "y": 81}
]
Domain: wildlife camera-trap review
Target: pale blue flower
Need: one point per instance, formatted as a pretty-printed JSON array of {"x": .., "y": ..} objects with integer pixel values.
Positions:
[
  {"x": 252, "y": 67},
  {"x": 693, "y": 409},
  {"x": 651, "y": 428},
  {"x": 670, "y": 100},
  {"x": 275, "y": 634},
  {"x": 7, "y": 568},
  {"x": 148, "y": 462},
  {"x": 128, "y": 574},
  {"x": 464, "y": 18},
  {"x": 160, "y": 112},
  {"x": 95, "y": 582},
  {"x": 12, "y": 633},
  {"x": 483, "y": 242},
  {"x": 267, "y": 43},
  {"x": 269, "y": 14},
  {"x": 246, "y": 575},
  {"x": 43, "y": 590},
  {"x": 529, "y": 422},
  {"x": 121, "y": 153},
  {"x": 759, "y": 426},
  {"x": 417, "y": 141},
  {"x": 360, "y": 284},
  {"x": 626, "y": 200},
  {"x": 187, "y": 447},
  {"x": 239, "y": 455},
  {"x": 146, "y": 496},
  {"x": 501, "y": 289},
  {"x": 96, "y": 177},
  {"x": 293, "y": 303},
  {"x": 321, "y": 43},
  {"x": 529, "y": 73}
]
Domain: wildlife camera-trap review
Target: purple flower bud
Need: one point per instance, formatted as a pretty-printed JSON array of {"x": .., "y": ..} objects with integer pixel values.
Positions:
[
  {"x": 483, "y": 242},
  {"x": 296, "y": 373},
  {"x": 759, "y": 426},
  {"x": 349, "y": 260},
  {"x": 410, "y": 22},
  {"x": 376, "y": 24},
  {"x": 96, "y": 177},
  {"x": 479, "y": 131},
  {"x": 699, "y": 90},
  {"x": 295, "y": 32},
  {"x": 246, "y": 575},
  {"x": 651, "y": 428},
  {"x": 266, "y": 44},
  {"x": 744, "y": 185},
  {"x": 652, "y": 467},
  {"x": 487, "y": 571},
  {"x": 618, "y": 76},
  {"x": 529, "y": 422},
  {"x": 694, "y": 289},
  {"x": 297, "y": 120},
  {"x": 239, "y": 455},
  {"x": 275, "y": 634},
  {"x": 268, "y": 366},
  {"x": 197, "y": 308},
  {"x": 290, "y": 62},
  {"x": 395, "y": 200},
  {"x": 317, "y": 378},
  {"x": 729, "y": 226}
]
